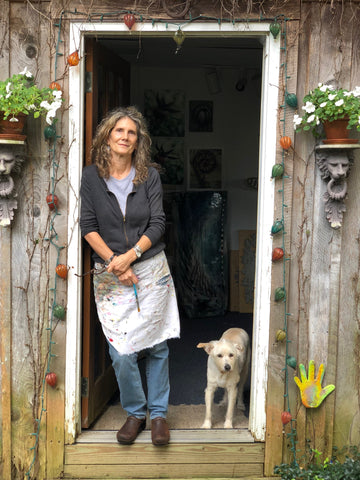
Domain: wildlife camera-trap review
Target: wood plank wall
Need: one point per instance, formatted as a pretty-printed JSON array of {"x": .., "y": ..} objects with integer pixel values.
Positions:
[{"x": 323, "y": 277}]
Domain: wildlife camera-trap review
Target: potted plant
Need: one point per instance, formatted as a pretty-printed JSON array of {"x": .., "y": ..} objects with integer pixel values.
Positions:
[
  {"x": 329, "y": 106},
  {"x": 20, "y": 97}
]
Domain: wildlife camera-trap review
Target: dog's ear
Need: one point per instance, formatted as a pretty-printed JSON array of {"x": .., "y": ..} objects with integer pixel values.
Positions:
[
  {"x": 206, "y": 346},
  {"x": 239, "y": 347}
]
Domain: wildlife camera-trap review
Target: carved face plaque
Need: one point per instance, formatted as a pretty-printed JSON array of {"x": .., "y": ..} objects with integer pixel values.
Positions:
[
  {"x": 7, "y": 163},
  {"x": 338, "y": 166}
]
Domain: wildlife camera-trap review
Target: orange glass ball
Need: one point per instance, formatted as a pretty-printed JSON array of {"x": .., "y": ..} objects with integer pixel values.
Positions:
[
  {"x": 55, "y": 86},
  {"x": 285, "y": 142},
  {"x": 73, "y": 59}
]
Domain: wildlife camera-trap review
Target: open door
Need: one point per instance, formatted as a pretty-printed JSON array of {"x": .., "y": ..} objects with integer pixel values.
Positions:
[{"x": 107, "y": 86}]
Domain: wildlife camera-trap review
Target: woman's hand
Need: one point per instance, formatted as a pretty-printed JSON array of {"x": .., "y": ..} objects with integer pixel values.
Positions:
[
  {"x": 128, "y": 278},
  {"x": 121, "y": 263}
]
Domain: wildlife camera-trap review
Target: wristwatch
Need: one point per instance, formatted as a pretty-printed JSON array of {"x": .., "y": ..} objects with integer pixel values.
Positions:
[{"x": 138, "y": 250}]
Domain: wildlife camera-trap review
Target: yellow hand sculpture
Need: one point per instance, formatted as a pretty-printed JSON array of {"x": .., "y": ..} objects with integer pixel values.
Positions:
[{"x": 312, "y": 394}]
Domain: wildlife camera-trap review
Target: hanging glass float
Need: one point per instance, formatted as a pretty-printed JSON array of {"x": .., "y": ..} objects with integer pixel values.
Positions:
[
  {"x": 55, "y": 86},
  {"x": 279, "y": 294},
  {"x": 285, "y": 142},
  {"x": 61, "y": 270},
  {"x": 277, "y": 227},
  {"x": 277, "y": 170},
  {"x": 285, "y": 417},
  {"x": 275, "y": 28},
  {"x": 59, "y": 312},
  {"x": 73, "y": 59},
  {"x": 280, "y": 335},
  {"x": 52, "y": 201},
  {"x": 277, "y": 254},
  {"x": 50, "y": 132},
  {"x": 291, "y": 99},
  {"x": 291, "y": 361},
  {"x": 129, "y": 20},
  {"x": 51, "y": 379},
  {"x": 179, "y": 37}
]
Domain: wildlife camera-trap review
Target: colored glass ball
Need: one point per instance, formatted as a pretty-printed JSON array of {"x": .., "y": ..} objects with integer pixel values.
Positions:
[
  {"x": 285, "y": 142},
  {"x": 61, "y": 270},
  {"x": 55, "y": 86},
  {"x": 59, "y": 312},
  {"x": 277, "y": 226},
  {"x": 49, "y": 132},
  {"x": 129, "y": 20},
  {"x": 291, "y": 100},
  {"x": 73, "y": 59},
  {"x": 277, "y": 254},
  {"x": 279, "y": 294},
  {"x": 280, "y": 335},
  {"x": 51, "y": 379},
  {"x": 285, "y": 417},
  {"x": 275, "y": 28},
  {"x": 291, "y": 361},
  {"x": 277, "y": 170},
  {"x": 52, "y": 201}
]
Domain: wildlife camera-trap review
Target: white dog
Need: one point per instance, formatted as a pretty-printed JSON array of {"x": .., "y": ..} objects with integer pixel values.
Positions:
[{"x": 228, "y": 368}]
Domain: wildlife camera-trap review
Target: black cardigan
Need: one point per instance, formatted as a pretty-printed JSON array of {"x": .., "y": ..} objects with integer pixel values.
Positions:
[{"x": 101, "y": 213}]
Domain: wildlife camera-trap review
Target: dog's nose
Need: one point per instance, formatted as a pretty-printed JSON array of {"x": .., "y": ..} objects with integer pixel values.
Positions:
[{"x": 227, "y": 367}]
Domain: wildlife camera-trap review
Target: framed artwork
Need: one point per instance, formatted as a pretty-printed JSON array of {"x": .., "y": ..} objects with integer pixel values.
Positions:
[
  {"x": 169, "y": 154},
  {"x": 165, "y": 112},
  {"x": 205, "y": 169},
  {"x": 200, "y": 116}
]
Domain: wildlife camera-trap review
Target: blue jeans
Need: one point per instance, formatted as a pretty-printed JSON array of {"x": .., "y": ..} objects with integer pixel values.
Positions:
[{"x": 132, "y": 396}]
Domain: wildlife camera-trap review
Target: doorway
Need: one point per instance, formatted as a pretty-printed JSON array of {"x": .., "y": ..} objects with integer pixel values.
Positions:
[{"x": 239, "y": 176}]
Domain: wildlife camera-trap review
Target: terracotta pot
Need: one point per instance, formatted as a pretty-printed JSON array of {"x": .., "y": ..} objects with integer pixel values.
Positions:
[
  {"x": 337, "y": 132},
  {"x": 13, "y": 130}
]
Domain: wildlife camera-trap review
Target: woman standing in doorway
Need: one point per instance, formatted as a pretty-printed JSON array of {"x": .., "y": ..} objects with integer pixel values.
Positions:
[{"x": 123, "y": 221}]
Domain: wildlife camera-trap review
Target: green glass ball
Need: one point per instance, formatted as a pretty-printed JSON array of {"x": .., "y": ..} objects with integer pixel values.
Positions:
[
  {"x": 275, "y": 28},
  {"x": 279, "y": 294},
  {"x": 291, "y": 361},
  {"x": 49, "y": 132},
  {"x": 277, "y": 226},
  {"x": 277, "y": 170},
  {"x": 291, "y": 100},
  {"x": 59, "y": 312}
]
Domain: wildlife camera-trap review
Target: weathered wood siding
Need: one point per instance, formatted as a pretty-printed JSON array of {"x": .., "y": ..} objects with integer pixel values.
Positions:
[{"x": 322, "y": 277}]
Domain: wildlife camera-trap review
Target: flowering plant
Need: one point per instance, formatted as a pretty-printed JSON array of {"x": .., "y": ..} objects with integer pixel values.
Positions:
[
  {"x": 326, "y": 103},
  {"x": 19, "y": 94}
]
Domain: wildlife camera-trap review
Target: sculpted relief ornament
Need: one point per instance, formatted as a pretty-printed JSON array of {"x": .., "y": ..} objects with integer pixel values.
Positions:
[
  {"x": 10, "y": 163},
  {"x": 334, "y": 165}
]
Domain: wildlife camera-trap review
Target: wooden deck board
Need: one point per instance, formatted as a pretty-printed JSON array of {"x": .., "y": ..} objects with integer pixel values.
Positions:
[{"x": 177, "y": 436}]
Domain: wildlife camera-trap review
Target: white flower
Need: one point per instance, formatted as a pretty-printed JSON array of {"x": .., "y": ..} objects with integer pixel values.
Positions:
[
  {"x": 45, "y": 104},
  {"x": 13, "y": 119},
  {"x": 8, "y": 89},
  {"x": 31, "y": 107},
  {"x": 309, "y": 107},
  {"x": 57, "y": 94},
  {"x": 356, "y": 92},
  {"x": 359, "y": 120},
  {"x": 339, "y": 102},
  {"x": 323, "y": 88},
  {"x": 297, "y": 121},
  {"x": 323, "y": 104},
  {"x": 347, "y": 94},
  {"x": 311, "y": 118},
  {"x": 317, "y": 121},
  {"x": 26, "y": 73},
  {"x": 331, "y": 96}
]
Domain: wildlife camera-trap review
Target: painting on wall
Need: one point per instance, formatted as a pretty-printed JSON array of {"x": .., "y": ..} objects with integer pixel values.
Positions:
[
  {"x": 205, "y": 169},
  {"x": 165, "y": 112},
  {"x": 169, "y": 154},
  {"x": 200, "y": 116}
]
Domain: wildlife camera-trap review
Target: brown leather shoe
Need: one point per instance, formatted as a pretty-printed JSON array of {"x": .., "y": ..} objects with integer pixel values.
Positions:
[
  {"x": 130, "y": 430},
  {"x": 160, "y": 434}
]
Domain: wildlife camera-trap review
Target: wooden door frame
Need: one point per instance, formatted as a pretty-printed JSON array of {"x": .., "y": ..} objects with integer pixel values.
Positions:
[{"x": 266, "y": 196}]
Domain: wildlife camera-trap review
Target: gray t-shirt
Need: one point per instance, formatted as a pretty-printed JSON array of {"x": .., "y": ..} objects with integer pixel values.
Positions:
[{"x": 121, "y": 188}]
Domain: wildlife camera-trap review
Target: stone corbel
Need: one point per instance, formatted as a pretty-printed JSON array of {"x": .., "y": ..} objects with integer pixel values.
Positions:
[
  {"x": 11, "y": 157},
  {"x": 334, "y": 162}
]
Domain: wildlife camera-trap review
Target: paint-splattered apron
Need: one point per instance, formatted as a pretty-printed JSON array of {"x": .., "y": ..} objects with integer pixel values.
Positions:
[{"x": 127, "y": 329}]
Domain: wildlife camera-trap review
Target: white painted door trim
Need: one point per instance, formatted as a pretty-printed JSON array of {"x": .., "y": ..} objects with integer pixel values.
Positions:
[{"x": 270, "y": 80}]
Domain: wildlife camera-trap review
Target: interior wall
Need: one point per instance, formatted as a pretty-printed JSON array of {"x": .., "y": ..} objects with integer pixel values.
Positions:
[{"x": 235, "y": 129}]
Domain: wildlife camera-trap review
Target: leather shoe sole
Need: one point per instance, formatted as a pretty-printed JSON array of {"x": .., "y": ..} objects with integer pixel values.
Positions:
[
  {"x": 160, "y": 434},
  {"x": 130, "y": 430}
]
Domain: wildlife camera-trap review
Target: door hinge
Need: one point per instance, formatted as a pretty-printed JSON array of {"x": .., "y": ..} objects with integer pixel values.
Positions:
[
  {"x": 84, "y": 387},
  {"x": 88, "y": 82}
]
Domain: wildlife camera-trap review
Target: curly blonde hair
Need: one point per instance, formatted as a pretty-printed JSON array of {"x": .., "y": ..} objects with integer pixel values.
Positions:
[{"x": 141, "y": 159}]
